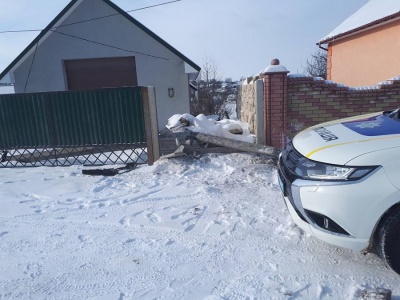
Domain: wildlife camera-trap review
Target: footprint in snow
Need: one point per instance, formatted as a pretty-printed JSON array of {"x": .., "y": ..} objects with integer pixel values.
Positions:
[
  {"x": 33, "y": 270},
  {"x": 189, "y": 228},
  {"x": 125, "y": 221},
  {"x": 154, "y": 218}
]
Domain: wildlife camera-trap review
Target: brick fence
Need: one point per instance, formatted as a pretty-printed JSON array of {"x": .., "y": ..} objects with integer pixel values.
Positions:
[{"x": 295, "y": 102}]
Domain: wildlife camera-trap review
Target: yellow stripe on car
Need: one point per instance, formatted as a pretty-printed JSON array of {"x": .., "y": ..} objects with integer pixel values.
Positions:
[{"x": 353, "y": 142}]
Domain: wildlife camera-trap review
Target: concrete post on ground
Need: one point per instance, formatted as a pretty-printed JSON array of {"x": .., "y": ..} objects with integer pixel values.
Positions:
[
  {"x": 259, "y": 116},
  {"x": 275, "y": 105}
]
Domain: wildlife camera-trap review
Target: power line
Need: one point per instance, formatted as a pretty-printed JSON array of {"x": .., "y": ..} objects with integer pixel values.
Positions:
[
  {"x": 112, "y": 15},
  {"x": 15, "y": 31},
  {"x": 106, "y": 45},
  {"x": 151, "y": 6},
  {"x": 93, "y": 19},
  {"x": 30, "y": 68}
]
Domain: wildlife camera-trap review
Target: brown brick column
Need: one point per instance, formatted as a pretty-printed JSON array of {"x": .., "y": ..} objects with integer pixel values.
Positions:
[{"x": 275, "y": 105}]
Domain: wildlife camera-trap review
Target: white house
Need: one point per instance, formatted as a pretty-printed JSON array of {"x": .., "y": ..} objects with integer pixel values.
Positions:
[{"x": 95, "y": 44}]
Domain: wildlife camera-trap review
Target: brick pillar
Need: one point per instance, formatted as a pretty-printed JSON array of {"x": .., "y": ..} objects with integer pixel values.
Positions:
[{"x": 275, "y": 105}]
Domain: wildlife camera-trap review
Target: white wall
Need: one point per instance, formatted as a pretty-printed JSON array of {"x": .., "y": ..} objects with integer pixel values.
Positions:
[{"x": 47, "y": 72}]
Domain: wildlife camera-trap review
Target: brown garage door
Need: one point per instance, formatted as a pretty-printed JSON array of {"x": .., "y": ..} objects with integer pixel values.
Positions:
[{"x": 87, "y": 74}]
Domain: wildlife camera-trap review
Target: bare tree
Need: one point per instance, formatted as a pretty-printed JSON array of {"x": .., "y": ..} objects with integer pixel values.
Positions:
[
  {"x": 209, "y": 100},
  {"x": 316, "y": 65}
]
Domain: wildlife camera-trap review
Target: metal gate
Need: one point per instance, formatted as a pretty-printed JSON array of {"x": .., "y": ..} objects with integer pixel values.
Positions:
[{"x": 105, "y": 126}]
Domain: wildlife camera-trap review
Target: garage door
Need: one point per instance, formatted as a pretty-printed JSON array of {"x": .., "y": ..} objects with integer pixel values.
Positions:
[{"x": 87, "y": 74}]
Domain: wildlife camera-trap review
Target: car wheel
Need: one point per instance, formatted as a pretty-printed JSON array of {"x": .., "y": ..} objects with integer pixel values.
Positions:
[{"x": 387, "y": 244}]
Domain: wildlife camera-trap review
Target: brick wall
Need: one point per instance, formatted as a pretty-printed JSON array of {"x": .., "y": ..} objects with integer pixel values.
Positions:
[
  {"x": 292, "y": 103},
  {"x": 313, "y": 100}
]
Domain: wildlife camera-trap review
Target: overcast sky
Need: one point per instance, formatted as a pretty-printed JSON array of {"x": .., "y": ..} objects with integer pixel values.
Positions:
[{"x": 241, "y": 36}]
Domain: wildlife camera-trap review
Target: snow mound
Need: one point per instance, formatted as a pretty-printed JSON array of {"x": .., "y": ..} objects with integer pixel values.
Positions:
[{"x": 227, "y": 128}]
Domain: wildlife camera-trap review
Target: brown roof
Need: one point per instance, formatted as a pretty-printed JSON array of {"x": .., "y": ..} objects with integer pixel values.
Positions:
[{"x": 373, "y": 13}]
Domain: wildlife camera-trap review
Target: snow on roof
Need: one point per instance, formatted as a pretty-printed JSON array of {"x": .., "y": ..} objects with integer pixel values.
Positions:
[{"x": 375, "y": 11}]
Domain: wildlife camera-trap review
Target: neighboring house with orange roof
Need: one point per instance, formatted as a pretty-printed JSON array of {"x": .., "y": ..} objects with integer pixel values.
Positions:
[{"x": 364, "y": 49}]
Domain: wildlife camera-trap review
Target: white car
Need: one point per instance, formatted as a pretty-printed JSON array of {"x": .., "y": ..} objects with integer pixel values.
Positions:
[{"x": 341, "y": 180}]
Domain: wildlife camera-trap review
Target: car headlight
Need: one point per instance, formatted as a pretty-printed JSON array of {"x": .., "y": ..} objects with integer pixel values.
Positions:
[{"x": 308, "y": 169}]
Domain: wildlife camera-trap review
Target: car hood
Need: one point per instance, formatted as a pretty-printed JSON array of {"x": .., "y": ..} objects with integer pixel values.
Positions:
[{"x": 340, "y": 141}]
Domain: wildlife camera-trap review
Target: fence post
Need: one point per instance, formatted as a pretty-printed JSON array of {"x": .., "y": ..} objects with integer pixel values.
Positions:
[
  {"x": 275, "y": 105},
  {"x": 259, "y": 103},
  {"x": 151, "y": 124}
]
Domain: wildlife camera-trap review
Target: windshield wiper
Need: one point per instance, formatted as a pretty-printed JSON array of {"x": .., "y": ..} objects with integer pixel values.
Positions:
[{"x": 395, "y": 114}]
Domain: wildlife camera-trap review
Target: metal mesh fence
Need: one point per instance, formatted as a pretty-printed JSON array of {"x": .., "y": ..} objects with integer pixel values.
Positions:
[
  {"x": 65, "y": 128},
  {"x": 100, "y": 155}
]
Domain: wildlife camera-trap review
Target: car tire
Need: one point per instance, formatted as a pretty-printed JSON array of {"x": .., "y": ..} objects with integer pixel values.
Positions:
[{"x": 387, "y": 243}]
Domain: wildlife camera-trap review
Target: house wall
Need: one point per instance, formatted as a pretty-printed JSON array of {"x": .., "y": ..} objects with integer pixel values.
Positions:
[
  {"x": 367, "y": 57},
  {"x": 159, "y": 68}
]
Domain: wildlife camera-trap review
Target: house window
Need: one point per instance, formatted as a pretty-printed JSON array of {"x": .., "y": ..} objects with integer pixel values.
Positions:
[{"x": 96, "y": 73}]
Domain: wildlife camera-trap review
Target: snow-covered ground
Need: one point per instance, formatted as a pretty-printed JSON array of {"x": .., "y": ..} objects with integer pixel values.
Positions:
[{"x": 184, "y": 228}]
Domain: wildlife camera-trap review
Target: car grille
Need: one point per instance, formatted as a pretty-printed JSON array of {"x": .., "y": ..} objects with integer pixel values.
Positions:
[
  {"x": 287, "y": 165},
  {"x": 289, "y": 159}
]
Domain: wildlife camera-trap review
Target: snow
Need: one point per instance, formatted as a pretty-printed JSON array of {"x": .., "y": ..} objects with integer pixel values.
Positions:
[
  {"x": 359, "y": 88},
  {"x": 209, "y": 125},
  {"x": 184, "y": 228},
  {"x": 300, "y": 75},
  {"x": 372, "y": 11},
  {"x": 276, "y": 69},
  {"x": 364, "y": 88}
]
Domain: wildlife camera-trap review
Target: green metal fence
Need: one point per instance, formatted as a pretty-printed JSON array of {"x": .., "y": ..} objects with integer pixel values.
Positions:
[{"x": 62, "y": 128}]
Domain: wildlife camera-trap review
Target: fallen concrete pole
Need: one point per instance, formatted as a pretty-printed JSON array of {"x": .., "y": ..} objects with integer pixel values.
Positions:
[{"x": 238, "y": 145}]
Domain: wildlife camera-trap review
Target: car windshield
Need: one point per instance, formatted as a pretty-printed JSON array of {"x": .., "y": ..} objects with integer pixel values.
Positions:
[{"x": 395, "y": 114}]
